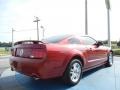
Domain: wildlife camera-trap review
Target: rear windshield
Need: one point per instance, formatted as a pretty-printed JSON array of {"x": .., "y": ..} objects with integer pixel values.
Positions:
[{"x": 55, "y": 39}]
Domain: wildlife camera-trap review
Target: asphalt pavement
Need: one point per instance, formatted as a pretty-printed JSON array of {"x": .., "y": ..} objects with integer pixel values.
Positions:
[
  {"x": 4, "y": 63},
  {"x": 97, "y": 79}
]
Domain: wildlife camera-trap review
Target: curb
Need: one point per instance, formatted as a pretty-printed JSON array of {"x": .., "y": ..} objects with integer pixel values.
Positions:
[{"x": 5, "y": 56}]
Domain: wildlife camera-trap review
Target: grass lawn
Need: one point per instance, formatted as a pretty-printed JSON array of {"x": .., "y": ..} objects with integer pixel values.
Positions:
[
  {"x": 116, "y": 49},
  {"x": 4, "y": 52}
]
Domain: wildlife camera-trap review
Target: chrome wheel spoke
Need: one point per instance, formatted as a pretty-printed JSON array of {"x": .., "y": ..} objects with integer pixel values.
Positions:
[
  {"x": 75, "y": 72},
  {"x": 110, "y": 58}
]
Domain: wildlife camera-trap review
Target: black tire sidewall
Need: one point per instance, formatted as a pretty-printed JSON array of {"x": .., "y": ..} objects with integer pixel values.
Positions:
[
  {"x": 67, "y": 72},
  {"x": 108, "y": 61}
]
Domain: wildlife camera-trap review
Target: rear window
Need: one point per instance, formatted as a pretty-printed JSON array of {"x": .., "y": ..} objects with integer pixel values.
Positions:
[{"x": 55, "y": 39}]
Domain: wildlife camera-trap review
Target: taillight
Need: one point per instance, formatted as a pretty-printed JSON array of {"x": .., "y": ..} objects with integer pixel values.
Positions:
[{"x": 38, "y": 53}]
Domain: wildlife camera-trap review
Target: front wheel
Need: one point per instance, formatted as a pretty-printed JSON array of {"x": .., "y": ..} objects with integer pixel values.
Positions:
[
  {"x": 73, "y": 72},
  {"x": 110, "y": 60}
]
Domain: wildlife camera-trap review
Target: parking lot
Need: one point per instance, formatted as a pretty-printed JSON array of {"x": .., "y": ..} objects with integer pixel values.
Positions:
[{"x": 97, "y": 79}]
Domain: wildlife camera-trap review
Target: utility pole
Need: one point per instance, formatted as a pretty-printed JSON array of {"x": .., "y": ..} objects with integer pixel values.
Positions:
[
  {"x": 109, "y": 36},
  {"x": 43, "y": 32},
  {"x": 13, "y": 37},
  {"x": 86, "y": 18},
  {"x": 108, "y": 21},
  {"x": 37, "y": 20}
]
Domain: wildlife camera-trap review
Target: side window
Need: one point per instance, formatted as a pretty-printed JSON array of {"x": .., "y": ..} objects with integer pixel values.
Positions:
[
  {"x": 74, "y": 41},
  {"x": 88, "y": 40}
]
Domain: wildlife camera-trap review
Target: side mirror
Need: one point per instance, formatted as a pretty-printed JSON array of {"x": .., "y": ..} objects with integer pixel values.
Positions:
[{"x": 99, "y": 44}]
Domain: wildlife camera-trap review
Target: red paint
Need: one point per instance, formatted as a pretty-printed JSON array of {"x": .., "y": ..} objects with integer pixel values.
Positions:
[{"x": 49, "y": 60}]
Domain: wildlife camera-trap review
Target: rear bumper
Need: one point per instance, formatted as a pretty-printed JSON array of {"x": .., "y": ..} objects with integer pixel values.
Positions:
[{"x": 30, "y": 67}]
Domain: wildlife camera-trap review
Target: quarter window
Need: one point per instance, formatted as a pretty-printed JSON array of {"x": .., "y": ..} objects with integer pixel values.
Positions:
[{"x": 74, "y": 41}]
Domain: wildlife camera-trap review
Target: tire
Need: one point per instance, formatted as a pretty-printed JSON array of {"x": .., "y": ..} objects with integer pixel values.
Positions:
[
  {"x": 109, "y": 60},
  {"x": 73, "y": 72}
]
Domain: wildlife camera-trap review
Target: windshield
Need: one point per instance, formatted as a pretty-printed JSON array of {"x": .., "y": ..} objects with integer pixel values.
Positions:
[{"x": 55, "y": 39}]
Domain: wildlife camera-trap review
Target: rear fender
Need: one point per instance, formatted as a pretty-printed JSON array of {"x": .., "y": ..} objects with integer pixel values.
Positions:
[{"x": 72, "y": 55}]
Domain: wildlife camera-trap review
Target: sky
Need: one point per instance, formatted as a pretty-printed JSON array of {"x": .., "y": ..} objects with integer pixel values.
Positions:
[{"x": 57, "y": 17}]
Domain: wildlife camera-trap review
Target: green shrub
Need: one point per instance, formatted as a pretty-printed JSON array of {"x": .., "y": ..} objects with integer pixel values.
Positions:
[{"x": 116, "y": 52}]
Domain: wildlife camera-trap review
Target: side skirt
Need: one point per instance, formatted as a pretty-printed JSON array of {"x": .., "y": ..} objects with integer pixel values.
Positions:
[{"x": 98, "y": 65}]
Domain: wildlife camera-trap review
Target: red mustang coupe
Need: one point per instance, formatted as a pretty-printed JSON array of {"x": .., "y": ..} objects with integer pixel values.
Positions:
[{"x": 64, "y": 56}]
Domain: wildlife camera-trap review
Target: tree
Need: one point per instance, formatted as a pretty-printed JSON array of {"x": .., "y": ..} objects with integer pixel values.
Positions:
[
  {"x": 118, "y": 43},
  {"x": 4, "y": 44}
]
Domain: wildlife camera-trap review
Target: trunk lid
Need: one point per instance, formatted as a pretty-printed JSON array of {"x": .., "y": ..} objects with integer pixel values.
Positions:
[{"x": 29, "y": 49}]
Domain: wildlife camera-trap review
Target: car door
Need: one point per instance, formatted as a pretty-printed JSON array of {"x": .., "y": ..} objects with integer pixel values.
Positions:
[
  {"x": 84, "y": 44},
  {"x": 101, "y": 52},
  {"x": 94, "y": 53}
]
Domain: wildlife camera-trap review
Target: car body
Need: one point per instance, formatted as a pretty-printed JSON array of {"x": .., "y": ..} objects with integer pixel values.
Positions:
[{"x": 51, "y": 57}]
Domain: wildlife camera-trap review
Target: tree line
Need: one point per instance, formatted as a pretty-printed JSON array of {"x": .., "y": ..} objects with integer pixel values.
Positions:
[
  {"x": 9, "y": 44},
  {"x": 4, "y": 44}
]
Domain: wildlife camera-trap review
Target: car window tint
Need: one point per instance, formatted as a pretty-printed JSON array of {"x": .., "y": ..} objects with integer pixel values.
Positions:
[
  {"x": 55, "y": 39},
  {"x": 88, "y": 40},
  {"x": 74, "y": 41}
]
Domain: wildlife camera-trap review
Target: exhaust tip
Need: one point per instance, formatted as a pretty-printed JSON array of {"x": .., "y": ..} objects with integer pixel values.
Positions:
[{"x": 35, "y": 76}]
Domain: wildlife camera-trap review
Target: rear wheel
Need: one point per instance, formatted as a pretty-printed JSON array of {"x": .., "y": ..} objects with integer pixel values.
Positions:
[
  {"x": 73, "y": 72},
  {"x": 110, "y": 60}
]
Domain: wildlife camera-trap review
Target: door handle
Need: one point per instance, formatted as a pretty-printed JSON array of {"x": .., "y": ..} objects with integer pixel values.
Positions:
[{"x": 90, "y": 49}]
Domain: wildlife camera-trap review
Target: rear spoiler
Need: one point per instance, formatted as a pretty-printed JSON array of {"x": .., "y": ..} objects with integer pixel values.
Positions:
[{"x": 28, "y": 42}]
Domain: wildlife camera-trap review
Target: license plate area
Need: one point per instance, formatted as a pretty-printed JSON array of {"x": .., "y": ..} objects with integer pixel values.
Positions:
[{"x": 23, "y": 52}]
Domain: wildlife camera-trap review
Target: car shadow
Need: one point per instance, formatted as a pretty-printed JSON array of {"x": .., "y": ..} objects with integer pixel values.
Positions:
[
  {"x": 92, "y": 71},
  {"x": 49, "y": 84}
]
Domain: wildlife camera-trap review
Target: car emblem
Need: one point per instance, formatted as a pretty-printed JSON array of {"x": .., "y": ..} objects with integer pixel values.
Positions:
[{"x": 21, "y": 52}]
